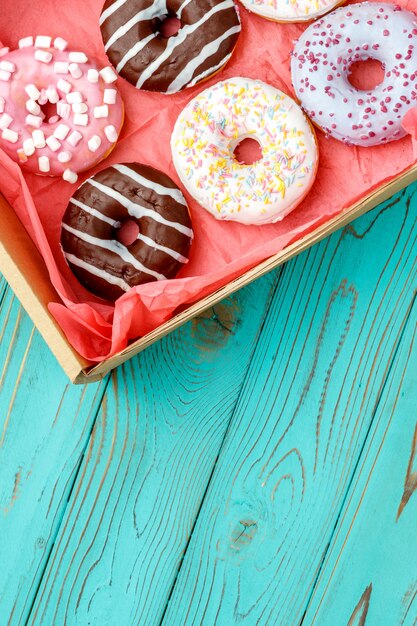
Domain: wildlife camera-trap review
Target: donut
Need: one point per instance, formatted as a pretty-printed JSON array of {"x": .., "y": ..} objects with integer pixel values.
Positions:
[
  {"x": 211, "y": 127},
  {"x": 60, "y": 113},
  {"x": 96, "y": 212},
  {"x": 320, "y": 72},
  {"x": 203, "y": 45},
  {"x": 291, "y": 10}
]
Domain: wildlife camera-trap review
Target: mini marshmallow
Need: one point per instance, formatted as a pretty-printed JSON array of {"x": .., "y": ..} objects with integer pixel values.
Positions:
[
  {"x": 80, "y": 119},
  {"x": 75, "y": 70},
  {"x": 2, "y": 103},
  {"x": 64, "y": 110},
  {"x": 33, "y": 107},
  {"x": 61, "y": 67},
  {"x": 60, "y": 44},
  {"x": 64, "y": 157},
  {"x": 74, "y": 138},
  {"x": 26, "y": 42},
  {"x": 110, "y": 96},
  {"x": 79, "y": 107},
  {"x": 5, "y": 121},
  {"x": 29, "y": 146},
  {"x": 52, "y": 94},
  {"x": 54, "y": 119},
  {"x": 44, "y": 165},
  {"x": 74, "y": 97},
  {"x": 111, "y": 133},
  {"x": 4, "y": 51},
  {"x": 64, "y": 85},
  {"x": 5, "y": 75},
  {"x": 108, "y": 75},
  {"x": 42, "y": 41},
  {"x": 10, "y": 135},
  {"x": 102, "y": 111},
  {"x": 43, "y": 98},
  {"x": 38, "y": 139},
  {"x": 7, "y": 66},
  {"x": 32, "y": 91},
  {"x": 61, "y": 131},
  {"x": 53, "y": 143},
  {"x": 43, "y": 56},
  {"x": 94, "y": 143},
  {"x": 70, "y": 176},
  {"x": 33, "y": 120},
  {"x": 22, "y": 156},
  {"x": 78, "y": 57},
  {"x": 92, "y": 76}
]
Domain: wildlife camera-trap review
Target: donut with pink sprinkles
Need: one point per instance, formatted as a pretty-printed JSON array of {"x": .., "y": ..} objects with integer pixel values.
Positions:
[{"x": 321, "y": 64}]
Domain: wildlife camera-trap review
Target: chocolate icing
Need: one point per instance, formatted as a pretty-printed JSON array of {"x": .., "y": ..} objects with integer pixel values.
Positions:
[
  {"x": 95, "y": 213},
  {"x": 209, "y": 30}
]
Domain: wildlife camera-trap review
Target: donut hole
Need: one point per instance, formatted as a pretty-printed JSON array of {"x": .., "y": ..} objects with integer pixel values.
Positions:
[
  {"x": 127, "y": 233},
  {"x": 367, "y": 74},
  {"x": 50, "y": 112},
  {"x": 167, "y": 26},
  {"x": 248, "y": 151}
]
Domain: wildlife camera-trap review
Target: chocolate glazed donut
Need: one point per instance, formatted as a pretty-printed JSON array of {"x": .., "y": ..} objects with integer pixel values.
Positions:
[
  {"x": 99, "y": 208},
  {"x": 203, "y": 45}
]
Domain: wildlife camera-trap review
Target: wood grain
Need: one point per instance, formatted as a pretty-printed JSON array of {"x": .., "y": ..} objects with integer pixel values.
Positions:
[
  {"x": 44, "y": 427},
  {"x": 299, "y": 427},
  {"x": 371, "y": 543},
  {"x": 150, "y": 457}
]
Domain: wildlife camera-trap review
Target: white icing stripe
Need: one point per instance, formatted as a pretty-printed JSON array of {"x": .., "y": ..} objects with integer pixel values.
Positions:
[
  {"x": 210, "y": 71},
  {"x": 116, "y": 248},
  {"x": 175, "y": 194},
  {"x": 111, "y": 9},
  {"x": 134, "y": 51},
  {"x": 150, "y": 242},
  {"x": 211, "y": 48},
  {"x": 95, "y": 213},
  {"x": 109, "y": 278},
  {"x": 136, "y": 210},
  {"x": 156, "y": 9},
  {"x": 182, "y": 35},
  {"x": 182, "y": 7}
]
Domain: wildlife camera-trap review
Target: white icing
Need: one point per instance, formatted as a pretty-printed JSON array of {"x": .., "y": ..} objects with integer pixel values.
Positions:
[
  {"x": 156, "y": 187},
  {"x": 290, "y": 10},
  {"x": 113, "y": 280}
]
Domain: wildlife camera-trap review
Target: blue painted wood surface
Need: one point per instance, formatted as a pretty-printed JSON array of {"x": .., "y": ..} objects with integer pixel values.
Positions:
[{"x": 257, "y": 466}]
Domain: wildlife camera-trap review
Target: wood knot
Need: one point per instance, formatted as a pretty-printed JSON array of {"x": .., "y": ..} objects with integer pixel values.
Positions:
[
  {"x": 214, "y": 327},
  {"x": 243, "y": 534}
]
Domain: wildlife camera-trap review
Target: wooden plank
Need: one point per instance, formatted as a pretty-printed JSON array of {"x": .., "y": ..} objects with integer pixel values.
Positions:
[
  {"x": 44, "y": 427},
  {"x": 299, "y": 426},
  {"x": 369, "y": 576},
  {"x": 146, "y": 469}
]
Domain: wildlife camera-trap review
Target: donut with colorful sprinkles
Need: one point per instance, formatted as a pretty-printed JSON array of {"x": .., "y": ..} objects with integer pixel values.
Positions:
[
  {"x": 60, "y": 114},
  {"x": 210, "y": 128},
  {"x": 321, "y": 64},
  {"x": 291, "y": 10}
]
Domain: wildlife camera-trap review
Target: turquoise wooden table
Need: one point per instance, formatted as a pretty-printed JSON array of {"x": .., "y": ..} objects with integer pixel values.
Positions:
[{"x": 256, "y": 467}]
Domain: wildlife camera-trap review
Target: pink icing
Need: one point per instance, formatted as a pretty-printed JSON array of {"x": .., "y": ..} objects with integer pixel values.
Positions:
[{"x": 74, "y": 154}]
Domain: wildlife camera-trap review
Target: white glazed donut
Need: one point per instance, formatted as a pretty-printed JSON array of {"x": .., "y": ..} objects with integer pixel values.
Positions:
[
  {"x": 291, "y": 10},
  {"x": 215, "y": 122},
  {"x": 320, "y": 69}
]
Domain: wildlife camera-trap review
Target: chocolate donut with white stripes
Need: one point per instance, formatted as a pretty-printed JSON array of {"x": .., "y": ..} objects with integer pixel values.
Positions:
[
  {"x": 97, "y": 211},
  {"x": 142, "y": 55}
]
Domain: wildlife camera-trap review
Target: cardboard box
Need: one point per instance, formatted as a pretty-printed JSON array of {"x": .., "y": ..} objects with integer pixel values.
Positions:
[{"x": 25, "y": 271}]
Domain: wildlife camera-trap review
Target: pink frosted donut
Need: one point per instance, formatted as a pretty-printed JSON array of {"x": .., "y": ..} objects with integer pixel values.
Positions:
[
  {"x": 321, "y": 64},
  {"x": 59, "y": 113}
]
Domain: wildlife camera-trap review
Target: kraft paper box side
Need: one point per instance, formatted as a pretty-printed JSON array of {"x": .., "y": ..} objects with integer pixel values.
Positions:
[{"x": 25, "y": 271}]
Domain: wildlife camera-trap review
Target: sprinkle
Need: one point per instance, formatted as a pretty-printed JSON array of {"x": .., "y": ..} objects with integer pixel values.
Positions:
[
  {"x": 75, "y": 70},
  {"x": 33, "y": 107},
  {"x": 64, "y": 85},
  {"x": 108, "y": 75},
  {"x": 64, "y": 110},
  {"x": 111, "y": 133},
  {"x": 7, "y": 66},
  {"x": 74, "y": 138},
  {"x": 43, "y": 56},
  {"x": 42, "y": 41},
  {"x": 110, "y": 96},
  {"x": 94, "y": 143},
  {"x": 70, "y": 176},
  {"x": 32, "y": 91},
  {"x": 5, "y": 75},
  {"x": 38, "y": 139},
  {"x": 79, "y": 107},
  {"x": 74, "y": 97},
  {"x": 61, "y": 67},
  {"x": 33, "y": 120},
  {"x": 61, "y": 131},
  {"x": 10, "y": 135},
  {"x": 26, "y": 42},
  {"x": 44, "y": 165},
  {"x": 60, "y": 44},
  {"x": 29, "y": 146},
  {"x": 92, "y": 76},
  {"x": 81, "y": 119},
  {"x": 102, "y": 111},
  {"x": 5, "y": 121},
  {"x": 52, "y": 95},
  {"x": 64, "y": 157},
  {"x": 53, "y": 143}
]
